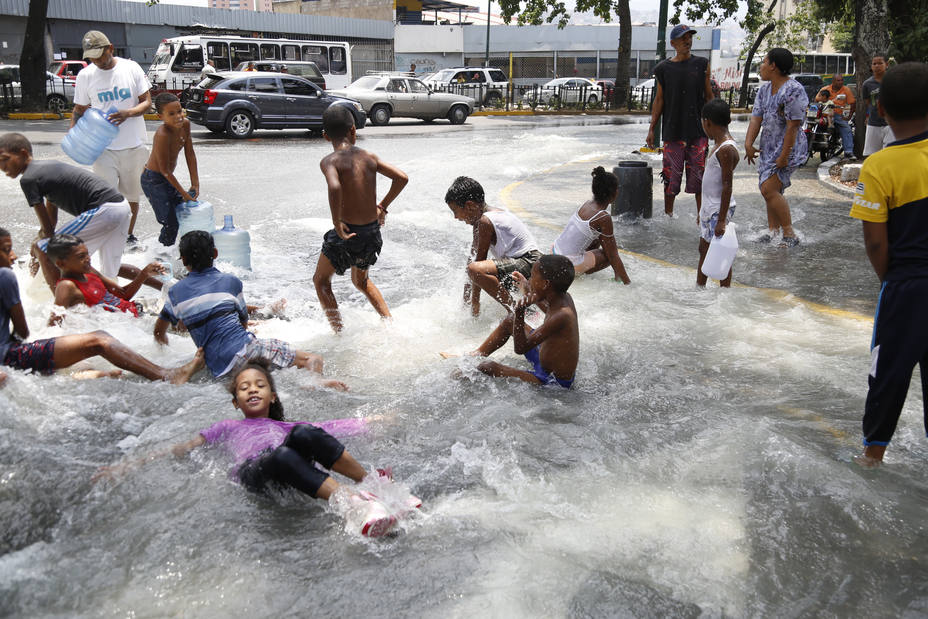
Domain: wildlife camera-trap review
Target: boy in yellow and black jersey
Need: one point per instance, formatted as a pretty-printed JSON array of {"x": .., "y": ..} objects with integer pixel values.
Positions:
[{"x": 892, "y": 202}]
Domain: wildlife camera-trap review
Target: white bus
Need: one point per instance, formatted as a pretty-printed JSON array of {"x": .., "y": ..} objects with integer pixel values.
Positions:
[{"x": 179, "y": 60}]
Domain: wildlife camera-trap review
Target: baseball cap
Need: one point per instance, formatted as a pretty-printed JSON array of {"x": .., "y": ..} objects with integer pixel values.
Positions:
[
  {"x": 94, "y": 43},
  {"x": 679, "y": 30}
]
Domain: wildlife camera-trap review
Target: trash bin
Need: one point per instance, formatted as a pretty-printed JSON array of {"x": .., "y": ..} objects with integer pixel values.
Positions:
[{"x": 635, "y": 188}]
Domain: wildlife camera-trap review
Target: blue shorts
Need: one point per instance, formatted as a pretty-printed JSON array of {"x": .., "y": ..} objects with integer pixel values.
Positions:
[
  {"x": 546, "y": 377},
  {"x": 707, "y": 227},
  {"x": 38, "y": 356},
  {"x": 164, "y": 200}
]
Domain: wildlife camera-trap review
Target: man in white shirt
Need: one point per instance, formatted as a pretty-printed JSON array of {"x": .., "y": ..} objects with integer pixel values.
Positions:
[{"x": 106, "y": 83}]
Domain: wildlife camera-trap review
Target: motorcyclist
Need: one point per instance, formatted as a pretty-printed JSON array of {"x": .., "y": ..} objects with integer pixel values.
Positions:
[{"x": 843, "y": 99}]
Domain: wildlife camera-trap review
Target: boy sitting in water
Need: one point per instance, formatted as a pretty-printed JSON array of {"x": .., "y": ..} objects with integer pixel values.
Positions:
[
  {"x": 81, "y": 284},
  {"x": 554, "y": 347},
  {"x": 161, "y": 188},
  {"x": 355, "y": 241},
  {"x": 212, "y": 307},
  {"x": 496, "y": 231},
  {"x": 46, "y": 356}
]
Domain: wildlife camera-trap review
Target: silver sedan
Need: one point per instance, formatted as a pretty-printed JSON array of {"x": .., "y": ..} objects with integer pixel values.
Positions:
[{"x": 388, "y": 95}]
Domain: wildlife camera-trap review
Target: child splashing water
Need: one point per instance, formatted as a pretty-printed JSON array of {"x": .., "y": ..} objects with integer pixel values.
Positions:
[{"x": 269, "y": 451}]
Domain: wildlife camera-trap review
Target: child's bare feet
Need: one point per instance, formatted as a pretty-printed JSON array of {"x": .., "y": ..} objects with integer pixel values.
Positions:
[
  {"x": 872, "y": 456},
  {"x": 182, "y": 374},
  {"x": 278, "y": 307},
  {"x": 449, "y": 355},
  {"x": 3, "y": 377}
]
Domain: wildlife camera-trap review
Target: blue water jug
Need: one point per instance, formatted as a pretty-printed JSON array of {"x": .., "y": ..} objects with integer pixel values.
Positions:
[
  {"x": 87, "y": 140},
  {"x": 194, "y": 216},
  {"x": 233, "y": 244}
]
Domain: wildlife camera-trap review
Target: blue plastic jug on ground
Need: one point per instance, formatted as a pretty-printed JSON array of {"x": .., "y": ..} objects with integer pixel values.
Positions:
[
  {"x": 87, "y": 140},
  {"x": 233, "y": 244},
  {"x": 194, "y": 216}
]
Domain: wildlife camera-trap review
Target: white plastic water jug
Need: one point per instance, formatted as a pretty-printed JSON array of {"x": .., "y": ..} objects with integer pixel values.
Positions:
[
  {"x": 721, "y": 254},
  {"x": 194, "y": 216},
  {"x": 233, "y": 244},
  {"x": 87, "y": 139}
]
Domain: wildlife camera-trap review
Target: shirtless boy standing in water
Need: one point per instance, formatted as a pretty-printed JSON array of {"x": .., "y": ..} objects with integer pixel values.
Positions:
[
  {"x": 162, "y": 189},
  {"x": 553, "y": 349},
  {"x": 355, "y": 242}
]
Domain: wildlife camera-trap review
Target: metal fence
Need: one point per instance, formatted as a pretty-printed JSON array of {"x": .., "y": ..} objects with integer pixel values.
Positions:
[
  {"x": 59, "y": 92},
  {"x": 592, "y": 97}
]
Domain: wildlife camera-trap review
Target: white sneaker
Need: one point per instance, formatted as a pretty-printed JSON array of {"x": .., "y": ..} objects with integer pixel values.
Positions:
[{"x": 377, "y": 521}]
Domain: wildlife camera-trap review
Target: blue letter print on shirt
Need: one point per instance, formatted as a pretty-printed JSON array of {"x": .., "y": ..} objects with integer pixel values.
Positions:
[{"x": 116, "y": 94}]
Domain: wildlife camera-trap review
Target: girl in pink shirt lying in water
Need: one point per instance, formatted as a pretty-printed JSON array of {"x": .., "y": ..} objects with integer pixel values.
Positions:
[{"x": 269, "y": 451}]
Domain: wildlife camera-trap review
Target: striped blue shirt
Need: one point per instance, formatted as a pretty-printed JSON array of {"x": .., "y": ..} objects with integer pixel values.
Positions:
[{"x": 212, "y": 307}]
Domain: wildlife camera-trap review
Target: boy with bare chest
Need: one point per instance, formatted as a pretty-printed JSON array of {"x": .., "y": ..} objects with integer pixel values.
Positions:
[
  {"x": 158, "y": 182},
  {"x": 355, "y": 241}
]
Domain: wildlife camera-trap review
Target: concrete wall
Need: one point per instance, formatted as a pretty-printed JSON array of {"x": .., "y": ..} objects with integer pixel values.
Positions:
[{"x": 355, "y": 9}]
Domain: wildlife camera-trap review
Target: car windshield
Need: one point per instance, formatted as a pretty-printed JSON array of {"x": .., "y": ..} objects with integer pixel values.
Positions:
[
  {"x": 365, "y": 83},
  {"x": 442, "y": 76}
]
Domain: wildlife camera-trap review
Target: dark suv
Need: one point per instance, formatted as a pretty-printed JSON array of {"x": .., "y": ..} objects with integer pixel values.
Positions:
[{"x": 238, "y": 102}]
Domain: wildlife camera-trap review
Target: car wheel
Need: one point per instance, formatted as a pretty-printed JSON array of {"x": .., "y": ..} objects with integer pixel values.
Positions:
[
  {"x": 240, "y": 124},
  {"x": 494, "y": 99},
  {"x": 57, "y": 103},
  {"x": 457, "y": 115},
  {"x": 380, "y": 115},
  {"x": 593, "y": 100}
]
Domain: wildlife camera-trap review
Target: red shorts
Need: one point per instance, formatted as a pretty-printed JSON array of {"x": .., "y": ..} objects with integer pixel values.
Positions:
[
  {"x": 38, "y": 356},
  {"x": 680, "y": 154}
]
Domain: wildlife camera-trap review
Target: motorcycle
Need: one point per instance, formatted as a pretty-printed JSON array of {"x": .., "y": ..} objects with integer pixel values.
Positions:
[{"x": 822, "y": 134}]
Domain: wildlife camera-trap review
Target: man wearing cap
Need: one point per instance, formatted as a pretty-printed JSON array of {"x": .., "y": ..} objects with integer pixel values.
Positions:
[
  {"x": 110, "y": 82},
  {"x": 683, "y": 87}
]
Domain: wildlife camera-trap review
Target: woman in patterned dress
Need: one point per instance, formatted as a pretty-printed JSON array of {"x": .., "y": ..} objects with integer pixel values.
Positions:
[{"x": 780, "y": 108}]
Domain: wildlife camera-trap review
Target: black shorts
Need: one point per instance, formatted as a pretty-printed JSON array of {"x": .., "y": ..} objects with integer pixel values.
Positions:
[{"x": 359, "y": 251}]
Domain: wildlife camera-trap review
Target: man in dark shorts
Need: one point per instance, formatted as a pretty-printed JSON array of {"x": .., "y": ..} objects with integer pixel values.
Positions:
[
  {"x": 683, "y": 87},
  {"x": 354, "y": 242}
]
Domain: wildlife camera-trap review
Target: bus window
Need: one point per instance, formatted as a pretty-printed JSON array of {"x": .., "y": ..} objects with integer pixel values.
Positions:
[
  {"x": 317, "y": 54},
  {"x": 243, "y": 52},
  {"x": 337, "y": 66},
  {"x": 188, "y": 60},
  {"x": 219, "y": 54},
  {"x": 291, "y": 52},
  {"x": 270, "y": 51}
]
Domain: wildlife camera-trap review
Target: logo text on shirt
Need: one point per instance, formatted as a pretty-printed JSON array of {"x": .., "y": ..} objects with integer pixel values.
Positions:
[
  {"x": 111, "y": 96},
  {"x": 859, "y": 201}
]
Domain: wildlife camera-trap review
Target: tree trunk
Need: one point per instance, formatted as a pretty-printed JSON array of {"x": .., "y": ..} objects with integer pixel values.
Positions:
[
  {"x": 32, "y": 61},
  {"x": 871, "y": 37},
  {"x": 622, "y": 77},
  {"x": 743, "y": 98}
]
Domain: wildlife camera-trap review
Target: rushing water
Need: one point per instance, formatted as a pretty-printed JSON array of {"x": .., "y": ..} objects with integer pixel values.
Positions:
[{"x": 701, "y": 465}]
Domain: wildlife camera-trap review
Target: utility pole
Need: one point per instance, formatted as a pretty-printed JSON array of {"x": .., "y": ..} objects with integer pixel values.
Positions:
[
  {"x": 486, "y": 58},
  {"x": 661, "y": 55}
]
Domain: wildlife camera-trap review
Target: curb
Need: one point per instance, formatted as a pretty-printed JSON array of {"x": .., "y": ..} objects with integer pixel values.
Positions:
[{"x": 824, "y": 177}]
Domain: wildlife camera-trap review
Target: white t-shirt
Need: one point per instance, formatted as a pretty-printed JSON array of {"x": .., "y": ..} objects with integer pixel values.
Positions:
[
  {"x": 512, "y": 237},
  {"x": 121, "y": 87}
]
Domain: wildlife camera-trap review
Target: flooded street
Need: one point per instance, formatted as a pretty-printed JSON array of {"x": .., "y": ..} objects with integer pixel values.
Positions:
[{"x": 701, "y": 466}]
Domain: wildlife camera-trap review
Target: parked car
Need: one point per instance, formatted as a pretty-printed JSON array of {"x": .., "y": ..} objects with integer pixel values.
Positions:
[
  {"x": 238, "y": 102},
  {"x": 67, "y": 69},
  {"x": 485, "y": 85},
  {"x": 644, "y": 92},
  {"x": 59, "y": 92},
  {"x": 563, "y": 90},
  {"x": 386, "y": 95},
  {"x": 309, "y": 70},
  {"x": 608, "y": 88}
]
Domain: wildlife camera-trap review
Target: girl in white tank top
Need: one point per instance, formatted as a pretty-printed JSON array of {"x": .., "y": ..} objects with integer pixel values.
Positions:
[
  {"x": 717, "y": 180},
  {"x": 588, "y": 238}
]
